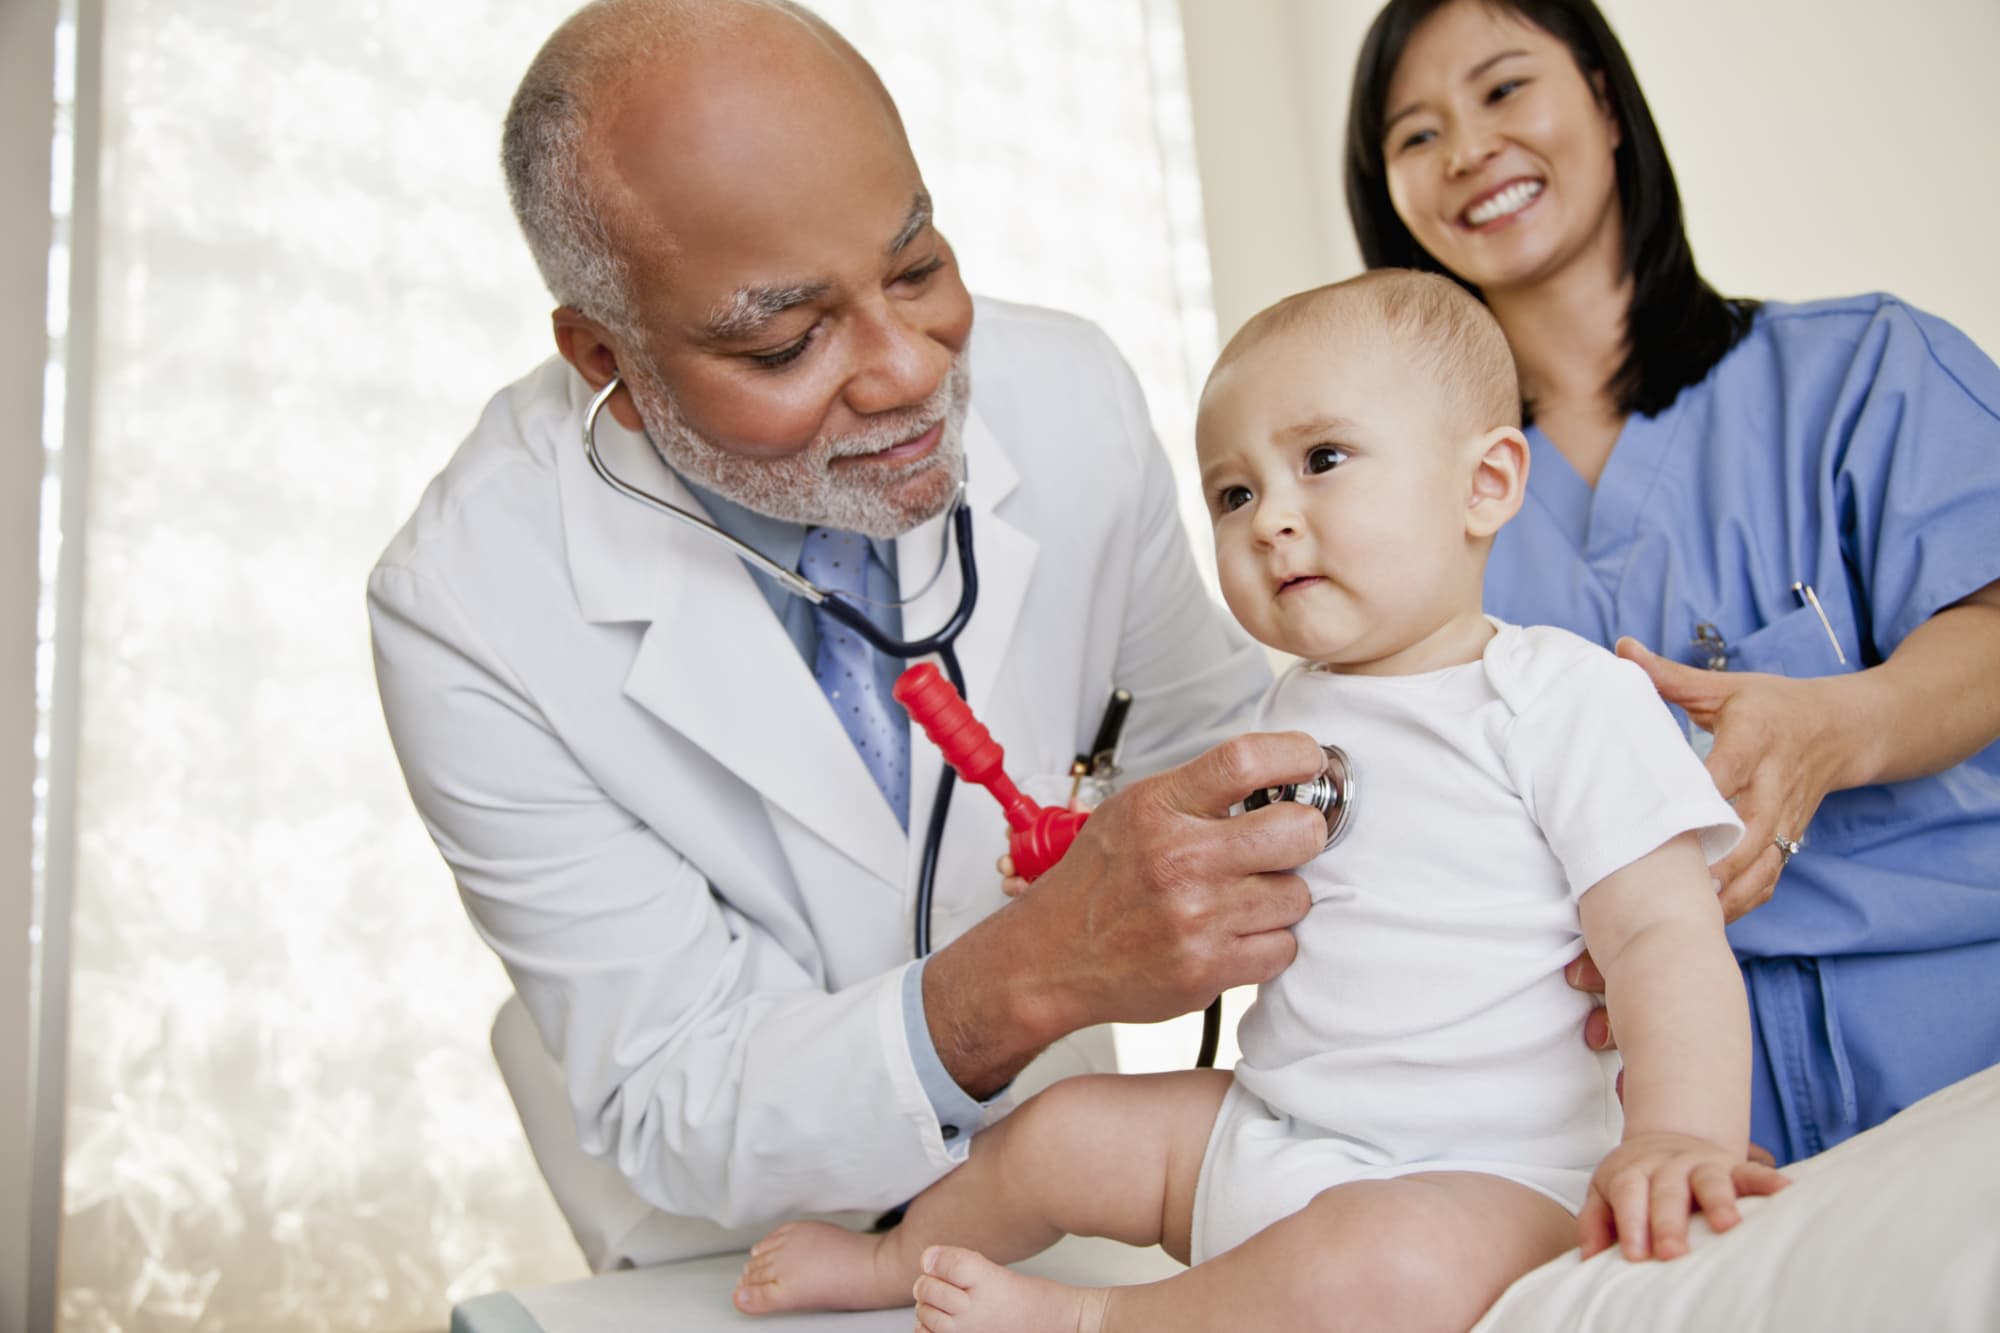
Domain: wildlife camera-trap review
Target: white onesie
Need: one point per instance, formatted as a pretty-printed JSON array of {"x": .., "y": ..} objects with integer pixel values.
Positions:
[{"x": 1425, "y": 1024}]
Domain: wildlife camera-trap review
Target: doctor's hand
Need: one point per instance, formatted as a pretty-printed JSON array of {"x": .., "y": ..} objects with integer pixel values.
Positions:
[
  {"x": 1779, "y": 749},
  {"x": 1012, "y": 884},
  {"x": 1164, "y": 901}
]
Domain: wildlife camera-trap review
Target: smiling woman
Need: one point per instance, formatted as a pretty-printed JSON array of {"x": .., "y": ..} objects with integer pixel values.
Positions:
[{"x": 1471, "y": 149}]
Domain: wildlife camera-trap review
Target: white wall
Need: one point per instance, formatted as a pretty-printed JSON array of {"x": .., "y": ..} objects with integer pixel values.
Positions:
[
  {"x": 1833, "y": 146},
  {"x": 1263, "y": 205},
  {"x": 1823, "y": 147}
]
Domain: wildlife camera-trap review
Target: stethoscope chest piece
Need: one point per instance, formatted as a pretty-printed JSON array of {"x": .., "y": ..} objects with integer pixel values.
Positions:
[{"x": 1331, "y": 793}]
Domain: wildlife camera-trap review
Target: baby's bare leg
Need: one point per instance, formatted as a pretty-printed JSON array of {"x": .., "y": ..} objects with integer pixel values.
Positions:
[
  {"x": 1423, "y": 1252},
  {"x": 1105, "y": 1155}
]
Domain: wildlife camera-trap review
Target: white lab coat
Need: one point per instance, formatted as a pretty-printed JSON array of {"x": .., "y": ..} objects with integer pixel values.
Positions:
[{"x": 658, "y": 824}]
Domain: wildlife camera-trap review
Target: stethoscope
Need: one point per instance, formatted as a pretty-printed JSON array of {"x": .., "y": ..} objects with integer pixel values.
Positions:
[
  {"x": 941, "y": 643},
  {"x": 1332, "y": 794}
]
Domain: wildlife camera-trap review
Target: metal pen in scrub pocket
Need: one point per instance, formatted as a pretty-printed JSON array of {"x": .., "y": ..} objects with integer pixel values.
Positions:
[{"x": 1807, "y": 597}]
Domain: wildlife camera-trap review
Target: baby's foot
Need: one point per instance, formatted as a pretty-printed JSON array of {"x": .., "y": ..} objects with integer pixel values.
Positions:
[
  {"x": 962, "y": 1291},
  {"x": 819, "y": 1266}
]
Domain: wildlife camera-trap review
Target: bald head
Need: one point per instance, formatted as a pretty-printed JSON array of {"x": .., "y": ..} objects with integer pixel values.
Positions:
[
  {"x": 1443, "y": 327},
  {"x": 623, "y": 100}
]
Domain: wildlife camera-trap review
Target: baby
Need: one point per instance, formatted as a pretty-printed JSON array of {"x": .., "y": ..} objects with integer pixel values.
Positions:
[{"x": 1415, "y": 1121}]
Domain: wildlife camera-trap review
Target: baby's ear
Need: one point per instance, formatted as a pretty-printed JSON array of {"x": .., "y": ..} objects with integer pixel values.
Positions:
[{"x": 1499, "y": 481}]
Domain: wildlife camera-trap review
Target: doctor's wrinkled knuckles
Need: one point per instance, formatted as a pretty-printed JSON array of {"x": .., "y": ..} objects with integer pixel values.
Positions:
[{"x": 813, "y": 471}]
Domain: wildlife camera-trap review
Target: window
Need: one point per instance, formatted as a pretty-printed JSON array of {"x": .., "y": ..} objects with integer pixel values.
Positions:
[{"x": 282, "y": 1114}]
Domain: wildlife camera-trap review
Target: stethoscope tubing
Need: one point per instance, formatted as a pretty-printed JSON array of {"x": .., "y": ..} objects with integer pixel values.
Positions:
[
  {"x": 792, "y": 582},
  {"x": 940, "y": 643}
]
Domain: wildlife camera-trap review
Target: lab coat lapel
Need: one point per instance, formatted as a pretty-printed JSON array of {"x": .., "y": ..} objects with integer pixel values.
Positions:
[
  {"x": 715, "y": 664},
  {"x": 1006, "y": 562}
]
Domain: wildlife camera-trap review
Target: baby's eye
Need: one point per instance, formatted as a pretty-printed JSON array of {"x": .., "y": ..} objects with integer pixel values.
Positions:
[
  {"x": 1324, "y": 458},
  {"x": 1231, "y": 497}
]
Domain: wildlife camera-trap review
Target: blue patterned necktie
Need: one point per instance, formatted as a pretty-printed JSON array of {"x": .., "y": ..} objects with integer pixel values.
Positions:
[{"x": 845, "y": 667}]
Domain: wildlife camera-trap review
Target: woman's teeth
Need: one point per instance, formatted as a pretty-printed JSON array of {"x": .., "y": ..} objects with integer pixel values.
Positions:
[{"x": 1510, "y": 200}]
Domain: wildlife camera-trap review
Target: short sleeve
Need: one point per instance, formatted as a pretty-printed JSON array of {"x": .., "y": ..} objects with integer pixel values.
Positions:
[
  {"x": 1607, "y": 775},
  {"x": 1917, "y": 469}
]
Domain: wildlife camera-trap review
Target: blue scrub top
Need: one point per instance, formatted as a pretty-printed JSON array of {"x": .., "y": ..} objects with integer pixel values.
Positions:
[{"x": 1854, "y": 446}]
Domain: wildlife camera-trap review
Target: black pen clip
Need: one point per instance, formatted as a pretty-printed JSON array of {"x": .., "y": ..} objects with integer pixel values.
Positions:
[{"x": 1101, "y": 760}]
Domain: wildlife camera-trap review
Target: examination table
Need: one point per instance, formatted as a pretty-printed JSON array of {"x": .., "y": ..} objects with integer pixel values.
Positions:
[{"x": 1896, "y": 1228}]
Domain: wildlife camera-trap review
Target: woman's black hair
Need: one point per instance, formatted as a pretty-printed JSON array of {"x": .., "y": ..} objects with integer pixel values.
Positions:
[{"x": 1677, "y": 327}]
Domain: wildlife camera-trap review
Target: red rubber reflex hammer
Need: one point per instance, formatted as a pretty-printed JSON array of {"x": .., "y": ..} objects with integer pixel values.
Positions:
[{"x": 1037, "y": 835}]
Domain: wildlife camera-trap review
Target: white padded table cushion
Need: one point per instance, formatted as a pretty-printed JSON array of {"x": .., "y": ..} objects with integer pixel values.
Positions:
[{"x": 1897, "y": 1228}]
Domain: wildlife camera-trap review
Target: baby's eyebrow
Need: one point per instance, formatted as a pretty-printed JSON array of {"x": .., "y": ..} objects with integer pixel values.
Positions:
[
  {"x": 1316, "y": 428},
  {"x": 1209, "y": 472}
]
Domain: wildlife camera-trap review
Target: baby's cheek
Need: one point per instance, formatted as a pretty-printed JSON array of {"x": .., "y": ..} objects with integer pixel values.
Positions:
[
  {"x": 1248, "y": 612},
  {"x": 1230, "y": 574}
]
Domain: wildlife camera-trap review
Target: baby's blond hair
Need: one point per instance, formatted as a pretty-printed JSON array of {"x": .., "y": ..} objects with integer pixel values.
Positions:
[{"x": 1445, "y": 327}]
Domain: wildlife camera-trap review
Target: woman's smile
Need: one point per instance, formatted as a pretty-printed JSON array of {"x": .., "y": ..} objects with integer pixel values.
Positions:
[{"x": 1506, "y": 201}]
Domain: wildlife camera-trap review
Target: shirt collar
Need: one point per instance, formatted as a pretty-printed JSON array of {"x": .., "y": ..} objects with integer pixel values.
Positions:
[{"x": 778, "y": 539}]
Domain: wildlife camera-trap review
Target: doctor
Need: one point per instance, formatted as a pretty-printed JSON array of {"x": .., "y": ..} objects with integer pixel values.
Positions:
[{"x": 627, "y": 745}]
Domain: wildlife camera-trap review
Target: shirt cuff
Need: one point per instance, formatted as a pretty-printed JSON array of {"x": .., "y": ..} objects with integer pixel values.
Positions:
[{"x": 959, "y": 1114}]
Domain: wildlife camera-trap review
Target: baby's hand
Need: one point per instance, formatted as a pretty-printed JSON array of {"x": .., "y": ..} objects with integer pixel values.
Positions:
[
  {"x": 1011, "y": 884},
  {"x": 1641, "y": 1194}
]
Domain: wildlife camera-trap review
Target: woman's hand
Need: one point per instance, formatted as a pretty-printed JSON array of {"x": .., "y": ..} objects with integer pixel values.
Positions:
[
  {"x": 1780, "y": 747},
  {"x": 1643, "y": 1193}
]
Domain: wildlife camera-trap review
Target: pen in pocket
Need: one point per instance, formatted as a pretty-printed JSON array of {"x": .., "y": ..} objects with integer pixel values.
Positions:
[{"x": 1807, "y": 597}]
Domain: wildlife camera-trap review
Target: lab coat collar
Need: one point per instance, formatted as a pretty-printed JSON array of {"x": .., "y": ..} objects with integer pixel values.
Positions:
[{"x": 713, "y": 637}]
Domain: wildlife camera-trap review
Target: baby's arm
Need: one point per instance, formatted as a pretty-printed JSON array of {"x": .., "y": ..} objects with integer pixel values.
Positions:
[{"x": 1677, "y": 1003}]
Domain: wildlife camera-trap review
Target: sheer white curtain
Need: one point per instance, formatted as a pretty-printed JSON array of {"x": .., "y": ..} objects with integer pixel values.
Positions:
[{"x": 281, "y": 1110}]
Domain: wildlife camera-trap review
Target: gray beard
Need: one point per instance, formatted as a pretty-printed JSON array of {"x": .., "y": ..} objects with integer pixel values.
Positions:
[{"x": 807, "y": 488}]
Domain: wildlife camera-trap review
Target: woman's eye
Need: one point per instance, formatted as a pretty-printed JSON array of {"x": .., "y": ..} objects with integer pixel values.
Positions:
[
  {"x": 1324, "y": 458},
  {"x": 1416, "y": 140},
  {"x": 785, "y": 355},
  {"x": 1505, "y": 88},
  {"x": 1231, "y": 497}
]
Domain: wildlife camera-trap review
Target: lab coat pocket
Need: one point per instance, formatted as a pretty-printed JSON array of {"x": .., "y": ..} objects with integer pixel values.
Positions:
[{"x": 1801, "y": 645}]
